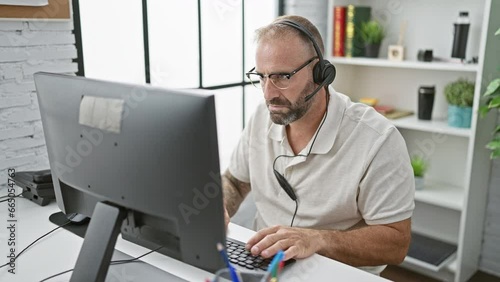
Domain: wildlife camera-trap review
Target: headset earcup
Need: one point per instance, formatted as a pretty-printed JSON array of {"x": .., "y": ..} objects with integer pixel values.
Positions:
[
  {"x": 318, "y": 73},
  {"x": 329, "y": 72},
  {"x": 324, "y": 72}
]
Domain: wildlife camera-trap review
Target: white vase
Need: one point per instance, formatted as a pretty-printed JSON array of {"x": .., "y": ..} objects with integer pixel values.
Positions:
[{"x": 419, "y": 183}]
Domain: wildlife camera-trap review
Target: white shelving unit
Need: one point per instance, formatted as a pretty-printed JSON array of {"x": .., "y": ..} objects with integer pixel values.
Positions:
[
  {"x": 405, "y": 64},
  {"x": 442, "y": 194},
  {"x": 435, "y": 125},
  {"x": 452, "y": 205}
]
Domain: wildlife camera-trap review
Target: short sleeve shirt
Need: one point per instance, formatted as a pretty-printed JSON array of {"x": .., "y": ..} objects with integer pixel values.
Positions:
[{"x": 358, "y": 171}]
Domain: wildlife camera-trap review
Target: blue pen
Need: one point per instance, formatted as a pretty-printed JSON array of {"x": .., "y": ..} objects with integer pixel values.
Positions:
[
  {"x": 232, "y": 271},
  {"x": 276, "y": 260}
]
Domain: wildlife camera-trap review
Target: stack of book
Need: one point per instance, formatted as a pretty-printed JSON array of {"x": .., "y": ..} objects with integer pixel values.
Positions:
[
  {"x": 347, "y": 21},
  {"x": 386, "y": 110}
]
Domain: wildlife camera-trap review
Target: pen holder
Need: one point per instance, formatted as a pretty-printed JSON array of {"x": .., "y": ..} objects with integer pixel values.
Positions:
[{"x": 223, "y": 275}]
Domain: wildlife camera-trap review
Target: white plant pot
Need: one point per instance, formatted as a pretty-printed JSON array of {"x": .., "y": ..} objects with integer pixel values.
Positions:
[{"x": 419, "y": 183}]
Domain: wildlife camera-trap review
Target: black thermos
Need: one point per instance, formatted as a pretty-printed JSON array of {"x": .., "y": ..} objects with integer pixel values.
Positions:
[
  {"x": 460, "y": 35},
  {"x": 425, "y": 101}
]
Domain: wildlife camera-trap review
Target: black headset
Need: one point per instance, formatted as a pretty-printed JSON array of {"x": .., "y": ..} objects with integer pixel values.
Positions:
[
  {"x": 323, "y": 71},
  {"x": 323, "y": 74}
]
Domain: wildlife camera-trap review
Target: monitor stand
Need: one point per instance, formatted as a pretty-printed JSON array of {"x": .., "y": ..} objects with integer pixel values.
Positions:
[
  {"x": 132, "y": 272},
  {"x": 99, "y": 243}
]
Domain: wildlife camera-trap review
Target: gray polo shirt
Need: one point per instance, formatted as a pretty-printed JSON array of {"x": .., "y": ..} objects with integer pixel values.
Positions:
[{"x": 358, "y": 171}]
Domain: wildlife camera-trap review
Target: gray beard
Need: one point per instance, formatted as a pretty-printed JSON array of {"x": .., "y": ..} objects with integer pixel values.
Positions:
[{"x": 297, "y": 110}]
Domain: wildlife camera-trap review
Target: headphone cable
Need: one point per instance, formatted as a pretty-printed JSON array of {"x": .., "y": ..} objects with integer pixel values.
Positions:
[{"x": 300, "y": 155}]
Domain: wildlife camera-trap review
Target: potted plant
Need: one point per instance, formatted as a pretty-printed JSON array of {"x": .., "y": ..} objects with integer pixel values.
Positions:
[
  {"x": 460, "y": 95},
  {"x": 372, "y": 34},
  {"x": 492, "y": 96},
  {"x": 419, "y": 167}
]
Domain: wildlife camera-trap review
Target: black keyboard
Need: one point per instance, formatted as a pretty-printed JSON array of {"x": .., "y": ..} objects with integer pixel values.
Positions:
[{"x": 238, "y": 255}]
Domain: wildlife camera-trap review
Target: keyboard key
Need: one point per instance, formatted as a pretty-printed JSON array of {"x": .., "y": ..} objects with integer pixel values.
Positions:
[{"x": 239, "y": 255}]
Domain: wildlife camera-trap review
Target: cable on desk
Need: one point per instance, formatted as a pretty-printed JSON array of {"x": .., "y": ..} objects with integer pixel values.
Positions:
[
  {"x": 34, "y": 243},
  {"x": 8, "y": 197},
  {"x": 123, "y": 261},
  {"x": 131, "y": 260}
]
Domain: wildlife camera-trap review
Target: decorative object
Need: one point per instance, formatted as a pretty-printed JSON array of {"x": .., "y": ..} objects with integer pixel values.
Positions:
[
  {"x": 425, "y": 55},
  {"x": 397, "y": 52},
  {"x": 373, "y": 34},
  {"x": 419, "y": 166},
  {"x": 492, "y": 96},
  {"x": 460, "y": 96},
  {"x": 425, "y": 101}
]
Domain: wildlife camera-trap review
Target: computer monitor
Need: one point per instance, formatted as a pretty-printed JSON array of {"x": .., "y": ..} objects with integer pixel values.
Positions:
[{"x": 140, "y": 161}]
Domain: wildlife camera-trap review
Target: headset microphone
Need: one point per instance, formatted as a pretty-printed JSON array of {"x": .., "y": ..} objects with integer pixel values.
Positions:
[{"x": 309, "y": 97}]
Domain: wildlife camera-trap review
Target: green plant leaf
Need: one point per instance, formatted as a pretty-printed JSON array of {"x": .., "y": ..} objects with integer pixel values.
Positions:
[
  {"x": 460, "y": 93},
  {"x": 483, "y": 111},
  {"x": 493, "y": 87},
  {"x": 494, "y": 145},
  {"x": 495, "y": 154},
  {"x": 419, "y": 165},
  {"x": 498, "y": 32},
  {"x": 495, "y": 103},
  {"x": 372, "y": 32},
  {"x": 497, "y": 130}
]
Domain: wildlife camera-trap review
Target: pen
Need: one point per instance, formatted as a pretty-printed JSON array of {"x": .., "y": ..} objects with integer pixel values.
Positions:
[
  {"x": 274, "y": 263},
  {"x": 232, "y": 271},
  {"x": 281, "y": 265}
]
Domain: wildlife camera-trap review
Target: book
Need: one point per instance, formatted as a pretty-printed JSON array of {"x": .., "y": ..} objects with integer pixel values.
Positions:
[
  {"x": 368, "y": 101},
  {"x": 338, "y": 30},
  {"x": 429, "y": 250},
  {"x": 384, "y": 109},
  {"x": 355, "y": 17},
  {"x": 395, "y": 114}
]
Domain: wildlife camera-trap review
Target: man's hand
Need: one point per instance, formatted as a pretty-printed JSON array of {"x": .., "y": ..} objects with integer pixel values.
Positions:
[{"x": 296, "y": 242}]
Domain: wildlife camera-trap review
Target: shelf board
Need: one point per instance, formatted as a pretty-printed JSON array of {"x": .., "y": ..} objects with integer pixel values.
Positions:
[
  {"x": 438, "y": 126},
  {"x": 412, "y": 263},
  {"x": 370, "y": 62},
  {"x": 452, "y": 267},
  {"x": 441, "y": 194}
]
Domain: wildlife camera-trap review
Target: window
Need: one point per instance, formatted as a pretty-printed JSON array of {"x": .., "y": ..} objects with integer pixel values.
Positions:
[
  {"x": 112, "y": 42},
  {"x": 184, "y": 44}
]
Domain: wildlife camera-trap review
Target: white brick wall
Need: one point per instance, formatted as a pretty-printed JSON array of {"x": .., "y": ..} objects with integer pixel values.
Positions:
[
  {"x": 26, "y": 48},
  {"x": 490, "y": 255}
]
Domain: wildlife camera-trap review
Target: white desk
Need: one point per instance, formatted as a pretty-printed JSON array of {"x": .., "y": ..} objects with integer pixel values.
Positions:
[{"x": 58, "y": 252}]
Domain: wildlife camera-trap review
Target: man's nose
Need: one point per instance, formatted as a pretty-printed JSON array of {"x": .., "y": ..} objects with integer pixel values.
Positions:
[{"x": 270, "y": 91}]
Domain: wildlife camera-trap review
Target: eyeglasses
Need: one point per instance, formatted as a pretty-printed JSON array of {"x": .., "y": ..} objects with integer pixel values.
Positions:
[{"x": 281, "y": 80}]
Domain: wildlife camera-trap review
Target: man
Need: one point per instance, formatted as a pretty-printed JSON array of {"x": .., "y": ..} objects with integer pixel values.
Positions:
[{"x": 347, "y": 165}]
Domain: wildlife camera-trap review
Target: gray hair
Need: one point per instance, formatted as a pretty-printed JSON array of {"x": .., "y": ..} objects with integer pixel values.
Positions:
[{"x": 279, "y": 31}]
